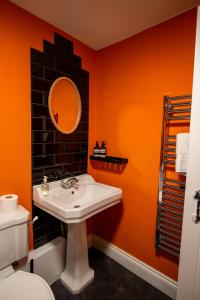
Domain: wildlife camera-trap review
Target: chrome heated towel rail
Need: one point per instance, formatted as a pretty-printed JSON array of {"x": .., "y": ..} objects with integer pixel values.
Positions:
[{"x": 171, "y": 192}]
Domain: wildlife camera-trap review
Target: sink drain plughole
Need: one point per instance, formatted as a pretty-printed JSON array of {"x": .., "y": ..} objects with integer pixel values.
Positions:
[{"x": 76, "y": 206}]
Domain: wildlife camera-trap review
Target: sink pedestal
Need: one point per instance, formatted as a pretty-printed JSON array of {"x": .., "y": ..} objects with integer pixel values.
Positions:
[{"x": 77, "y": 274}]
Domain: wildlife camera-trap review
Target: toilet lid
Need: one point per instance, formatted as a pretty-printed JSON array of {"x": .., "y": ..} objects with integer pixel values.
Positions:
[{"x": 25, "y": 286}]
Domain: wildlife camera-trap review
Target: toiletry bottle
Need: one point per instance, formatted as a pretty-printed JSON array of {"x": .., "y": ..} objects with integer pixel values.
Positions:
[
  {"x": 45, "y": 186},
  {"x": 103, "y": 149},
  {"x": 96, "y": 150}
]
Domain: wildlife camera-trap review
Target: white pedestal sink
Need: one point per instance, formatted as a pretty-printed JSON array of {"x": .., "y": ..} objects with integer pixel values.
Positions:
[{"x": 74, "y": 206}]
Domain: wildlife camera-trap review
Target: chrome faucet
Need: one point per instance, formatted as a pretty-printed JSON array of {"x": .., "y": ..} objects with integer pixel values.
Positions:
[{"x": 69, "y": 183}]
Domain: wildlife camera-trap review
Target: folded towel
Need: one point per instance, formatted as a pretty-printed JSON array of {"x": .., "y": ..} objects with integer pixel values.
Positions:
[
  {"x": 182, "y": 152},
  {"x": 182, "y": 143}
]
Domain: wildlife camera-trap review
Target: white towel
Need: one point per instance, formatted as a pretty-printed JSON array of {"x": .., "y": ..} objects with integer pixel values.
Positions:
[{"x": 182, "y": 151}]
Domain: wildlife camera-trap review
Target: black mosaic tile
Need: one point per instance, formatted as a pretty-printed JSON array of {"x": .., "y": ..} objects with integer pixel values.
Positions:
[
  {"x": 63, "y": 43},
  {"x": 38, "y": 149},
  {"x": 46, "y": 97},
  {"x": 63, "y": 158},
  {"x": 84, "y": 126},
  {"x": 83, "y": 167},
  {"x": 41, "y": 161},
  {"x": 63, "y": 54},
  {"x": 37, "y": 70},
  {"x": 40, "y": 84},
  {"x": 66, "y": 68},
  {"x": 85, "y": 106},
  {"x": 49, "y": 124},
  {"x": 112, "y": 282},
  {"x": 37, "y": 176},
  {"x": 37, "y": 97},
  {"x": 42, "y": 137},
  {"x": 51, "y": 74},
  {"x": 84, "y": 116},
  {"x": 73, "y": 168},
  {"x": 54, "y": 172},
  {"x": 38, "y": 123},
  {"x": 72, "y": 147},
  {"x": 42, "y": 58},
  {"x": 55, "y": 148},
  {"x": 84, "y": 147},
  {"x": 81, "y": 156},
  {"x": 39, "y": 110}
]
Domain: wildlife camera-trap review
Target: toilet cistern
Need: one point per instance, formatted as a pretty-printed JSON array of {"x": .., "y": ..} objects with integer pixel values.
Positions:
[{"x": 14, "y": 246}]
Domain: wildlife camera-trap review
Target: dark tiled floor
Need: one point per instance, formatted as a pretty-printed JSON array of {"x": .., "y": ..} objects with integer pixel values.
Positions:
[{"x": 111, "y": 282}]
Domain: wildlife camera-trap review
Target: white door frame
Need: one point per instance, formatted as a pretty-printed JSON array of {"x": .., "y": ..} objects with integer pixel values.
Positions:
[{"x": 189, "y": 267}]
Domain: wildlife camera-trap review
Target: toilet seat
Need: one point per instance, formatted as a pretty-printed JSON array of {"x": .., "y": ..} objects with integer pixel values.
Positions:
[{"x": 23, "y": 285}]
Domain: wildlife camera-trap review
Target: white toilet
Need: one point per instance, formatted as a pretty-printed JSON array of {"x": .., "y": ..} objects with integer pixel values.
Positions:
[{"x": 18, "y": 285}]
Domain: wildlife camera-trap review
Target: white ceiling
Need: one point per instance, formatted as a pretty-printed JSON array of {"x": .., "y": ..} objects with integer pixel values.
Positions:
[{"x": 100, "y": 23}]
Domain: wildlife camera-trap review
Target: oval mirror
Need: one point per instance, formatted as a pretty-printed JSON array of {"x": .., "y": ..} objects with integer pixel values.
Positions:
[{"x": 64, "y": 105}]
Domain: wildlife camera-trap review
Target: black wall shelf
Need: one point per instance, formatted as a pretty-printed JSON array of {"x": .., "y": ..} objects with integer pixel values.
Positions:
[{"x": 110, "y": 159}]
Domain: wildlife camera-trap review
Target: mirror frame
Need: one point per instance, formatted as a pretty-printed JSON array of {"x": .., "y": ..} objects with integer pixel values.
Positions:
[{"x": 50, "y": 106}]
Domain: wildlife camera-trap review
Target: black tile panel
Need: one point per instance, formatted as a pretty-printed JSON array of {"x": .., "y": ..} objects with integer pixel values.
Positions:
[{"x": 55, "y": 153}]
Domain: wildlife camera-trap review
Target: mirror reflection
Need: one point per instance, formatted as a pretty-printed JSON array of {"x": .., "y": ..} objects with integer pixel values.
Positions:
[{"x": 64, "y": 105}]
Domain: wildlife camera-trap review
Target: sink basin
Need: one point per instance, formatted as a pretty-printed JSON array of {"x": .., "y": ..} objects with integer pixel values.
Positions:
[{"x": 76, "y": 204}]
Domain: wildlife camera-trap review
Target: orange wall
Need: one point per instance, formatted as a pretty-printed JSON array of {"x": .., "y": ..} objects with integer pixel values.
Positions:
[
  {"x": 132, "y": 77},
  {"x": 125, "y": 109},
  {"x": 19, "y": 31}
]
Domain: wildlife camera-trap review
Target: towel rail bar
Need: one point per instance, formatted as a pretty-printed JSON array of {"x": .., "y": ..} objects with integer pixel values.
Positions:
[
  {"x": 169, "y": 251},
  {"x": 163, "y": 237},
  {"x": 172, "y": 229},
  {"x": 170, "y": 246},
  {"x": 170, "y": 234},
  {"x": 173, "y": 187},
  {"x": 169, "y": 149},
  {"x": 181, "y": 104},
  {"x": 171, "y": 211},
  {"x": 178, "y": 118},
  {"x": 173, "y": 199},
  {"x": 171, "y": 223},
  {"x": 171, "y": 217},
  {"x": 173, "y": 193},
  {"x": 172, "y": 205},
  {"x": 179, "y": 97},
  {"x": 174, "y": 181}
]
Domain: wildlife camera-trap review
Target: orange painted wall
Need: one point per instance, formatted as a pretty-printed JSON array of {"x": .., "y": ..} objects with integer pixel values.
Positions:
[
  {"x": 127, "y": 83},
  {"x": 19, "y": 32},
  {"x": 132, "y": 77}
]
